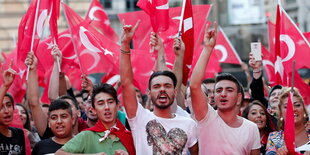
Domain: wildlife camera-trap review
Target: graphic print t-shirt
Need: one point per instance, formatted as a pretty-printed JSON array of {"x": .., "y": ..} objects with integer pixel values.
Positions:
[
  {"x": 155, "y": 135},
  {"x": 14, "y": 145}
]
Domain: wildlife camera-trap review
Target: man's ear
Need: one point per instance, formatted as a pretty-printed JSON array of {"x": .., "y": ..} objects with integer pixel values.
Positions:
[{"x": 239, "y": 100}]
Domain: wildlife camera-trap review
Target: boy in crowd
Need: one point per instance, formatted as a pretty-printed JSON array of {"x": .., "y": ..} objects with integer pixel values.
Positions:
[
  {"x": 12, "y": 139},
  {"x": 109, "y": 135}
]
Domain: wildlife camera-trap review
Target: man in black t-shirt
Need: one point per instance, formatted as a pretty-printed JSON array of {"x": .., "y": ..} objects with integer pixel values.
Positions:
[
  {"x": 12, "y": 140},
  {"x": 60, "y": 121}
]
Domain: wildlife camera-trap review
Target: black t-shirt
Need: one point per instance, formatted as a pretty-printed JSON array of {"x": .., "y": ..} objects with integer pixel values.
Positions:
[
  {"x": 46, "y": 146},
  {"x": 14, "y": 145}
]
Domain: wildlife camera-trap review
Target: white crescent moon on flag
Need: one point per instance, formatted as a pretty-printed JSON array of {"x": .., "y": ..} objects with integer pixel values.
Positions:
[
  {"x": 267, "y": 62},
  {"x": 94, "y": 55},
  {"x": 85, "y": 41},
  {"x": 223, "y": 50},
  {"x": 92, "y": 11},
  {"x": 113, "y": 79},
  {"x": 67, "y": 35},
  {"x": 41, "y": 21},
  {"x": 290, "y": 45},
  {"x": 163, "y": 7}
]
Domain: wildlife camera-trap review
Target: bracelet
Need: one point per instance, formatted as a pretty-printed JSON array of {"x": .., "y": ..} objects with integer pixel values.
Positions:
[
  {"x": 257, "y": 71},
  {"x": 125, "y": 52}
]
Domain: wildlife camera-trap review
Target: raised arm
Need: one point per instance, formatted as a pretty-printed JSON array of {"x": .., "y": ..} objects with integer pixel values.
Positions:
[
  {"x": 179, "y": 48},
  {"x": 129, "y": 94},
  {"x": 199, "y": 99},
  {"x": 245, "y": 68},
  {"x": 157, "y": 43},
  {"x": 39, "y": 118},
  {"x": 257, "y": 86},
  {"x": 53, "y": 89},
  {"x": 8, "y": 77}
]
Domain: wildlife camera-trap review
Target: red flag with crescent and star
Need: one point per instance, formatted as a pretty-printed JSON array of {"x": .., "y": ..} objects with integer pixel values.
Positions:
[
  {"x": 224, "y": 49},
  {"x": 96, "y": 53},
  {"x": 100, "y": 20},
  {"x": 158, "y": 11}
]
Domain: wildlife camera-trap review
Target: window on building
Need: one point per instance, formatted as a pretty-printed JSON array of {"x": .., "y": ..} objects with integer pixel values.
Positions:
[
  {"x": 106, "y": 4},
  {"x": 131, "y": 5}
]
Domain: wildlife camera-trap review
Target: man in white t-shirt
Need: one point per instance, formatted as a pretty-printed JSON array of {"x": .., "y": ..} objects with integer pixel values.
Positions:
[
  {"x": 160, "y": 131},
  {"x": 221, "y": 131}
]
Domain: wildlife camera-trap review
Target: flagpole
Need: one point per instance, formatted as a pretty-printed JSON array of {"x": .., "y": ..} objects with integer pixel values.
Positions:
[
  {"x": 74, "y": 46},
  {"x": 181, "y": 19},
  {"x": 33, "y": 33},
  {"x": 293, "y": 76}
]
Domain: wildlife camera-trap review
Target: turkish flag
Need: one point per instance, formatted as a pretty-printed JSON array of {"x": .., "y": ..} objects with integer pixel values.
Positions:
[
  {"x": 65, "y": 45},
  {"x": 289, "y": 126},
  {"x": 142, "y": 66},
  {"x": 307, "y": 36},
  {"x": 304, "y": 88},
  {"x": 268, "y": 64},
  {"x": 271, "y": 36},
  {"x": 294, "y": 46},
  {"x": 279, "y": 69},
  {"x": 213, "y": 66},
  {"x": 54, "y": 15},
  {"x": 224, "y": 49},
  {"x": 96, "y": 53},
  {"x": 100, "y": 20},
  {"x": 158, "y": 12}
]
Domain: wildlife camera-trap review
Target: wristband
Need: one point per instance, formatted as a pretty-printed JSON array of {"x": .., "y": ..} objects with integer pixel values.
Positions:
[{"x": 125, "y": 52}]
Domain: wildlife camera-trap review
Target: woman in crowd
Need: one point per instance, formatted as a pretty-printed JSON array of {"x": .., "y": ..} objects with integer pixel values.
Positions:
[
  {"x": 31, "y": 131},
  {"x": 276, "y": 143},
  {"x": 257, "y": 113}
]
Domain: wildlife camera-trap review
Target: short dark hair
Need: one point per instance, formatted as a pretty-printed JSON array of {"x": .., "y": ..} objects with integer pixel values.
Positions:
[
  {"x": 103, "y": 88},
  {"x": 208, "y": 80},
  {"x": 59, "y": 104},
  {"x": 10, "y": 97},
  {"x": 274, "y": 88},
  {"x": 229, "y": 77},
  {"x": 70, "y": 98},
  {"x": 167, "y": 73}
]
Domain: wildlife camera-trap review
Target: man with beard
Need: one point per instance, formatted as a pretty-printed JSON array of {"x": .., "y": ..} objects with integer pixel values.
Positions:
[
  {"x": 219, "y": 130},
  {"x": 160, "y": 131}
]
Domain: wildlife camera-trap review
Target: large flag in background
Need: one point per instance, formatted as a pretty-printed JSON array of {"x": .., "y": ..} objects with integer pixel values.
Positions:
[
  {"x": 213, "y": 66},
  {"x": 96, "y": 53},
  {"x": 294, "y": 46},
  {"x": 32, "y": 24},
  {"x": 279, "y": 69},
  {"x": 25, "y": 30},
  {"x": 307, "y": 36},
  {"x": 65, "y": 45},
  {"x": 100, "y": 20},
  {"x": 158, "y": 11},
  {"x": 187, "y": 34},
  {"x": 224, "y": 49},
  {"x": 268, "y": 64}
]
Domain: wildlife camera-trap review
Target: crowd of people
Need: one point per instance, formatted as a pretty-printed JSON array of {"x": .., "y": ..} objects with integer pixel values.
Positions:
[{"x": 208, "y": 116}]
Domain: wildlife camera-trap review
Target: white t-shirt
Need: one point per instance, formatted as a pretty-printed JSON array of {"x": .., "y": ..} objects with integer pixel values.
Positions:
[
  {"x": 155, "y": 135},
  {"x": 216, "y": 137}
]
